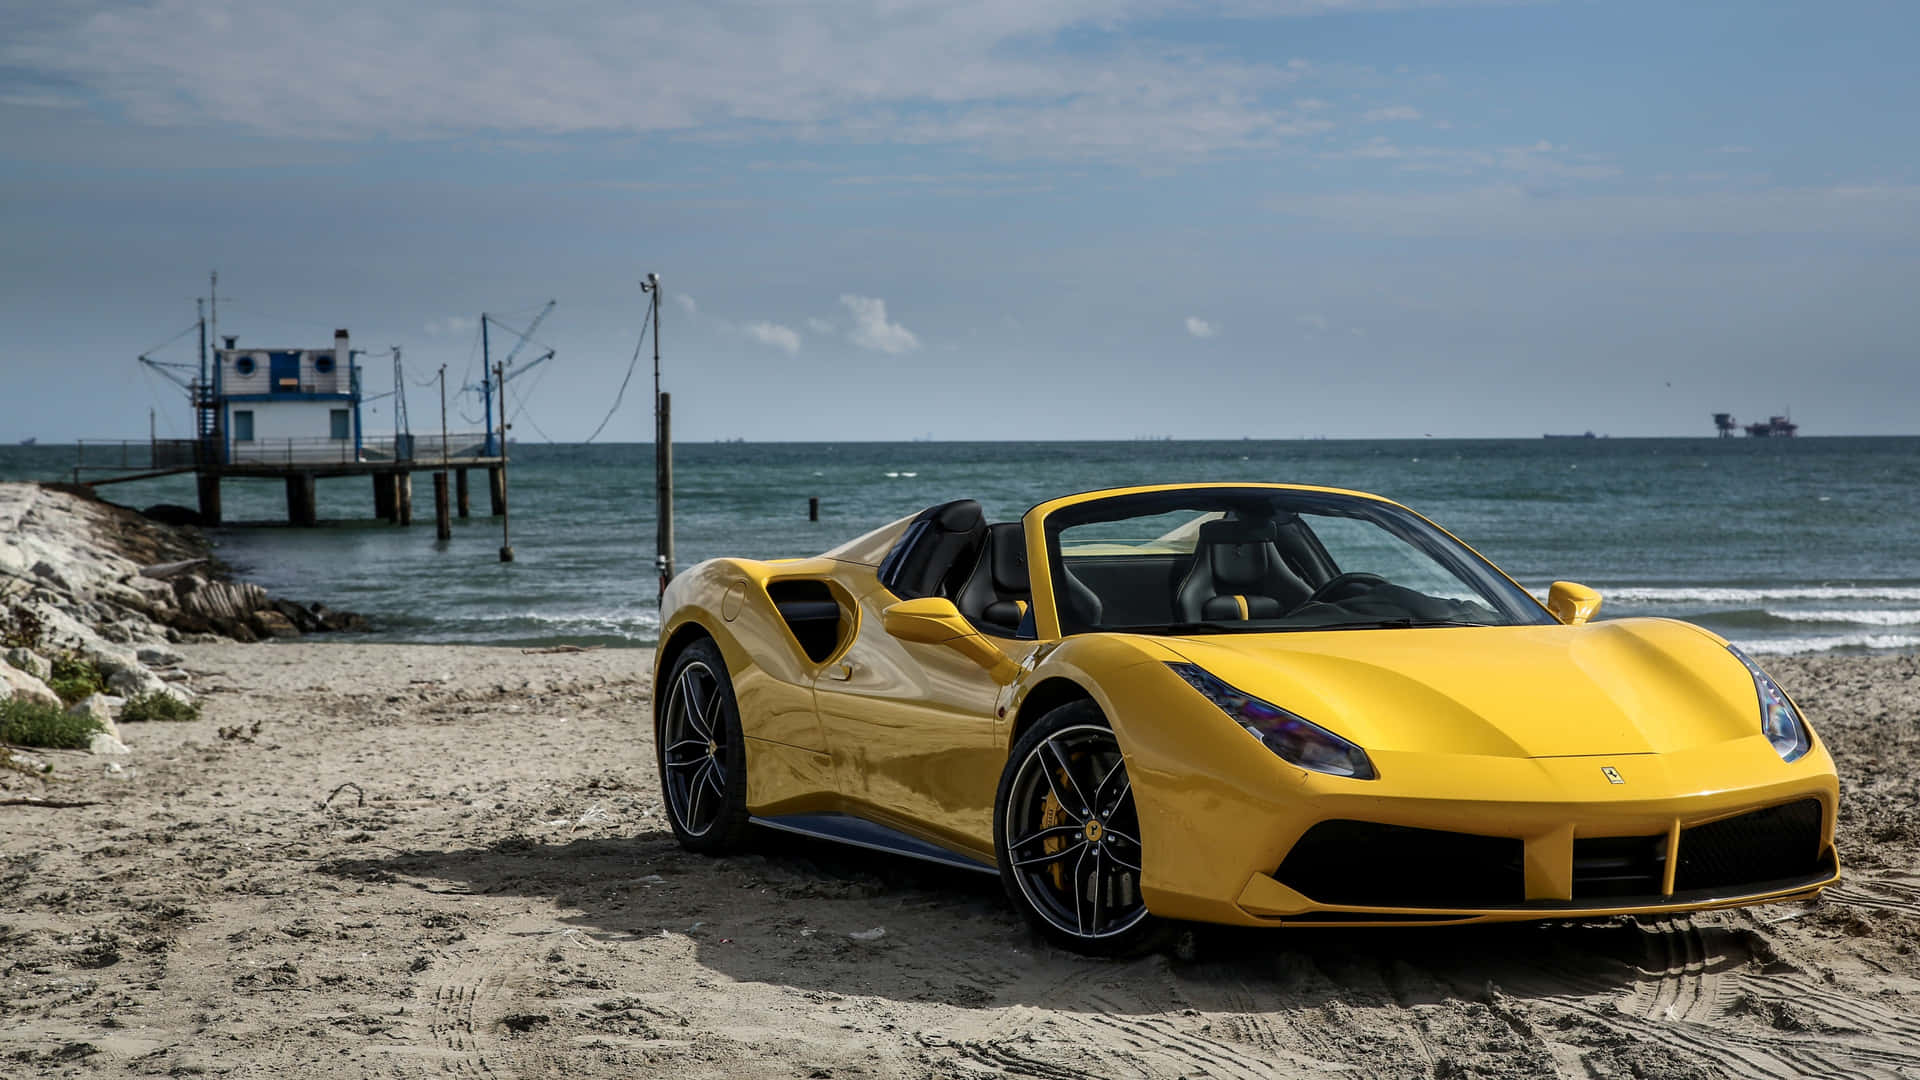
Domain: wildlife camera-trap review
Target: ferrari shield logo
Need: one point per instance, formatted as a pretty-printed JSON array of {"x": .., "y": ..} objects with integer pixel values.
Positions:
[{"x": 1612, "y": 774}]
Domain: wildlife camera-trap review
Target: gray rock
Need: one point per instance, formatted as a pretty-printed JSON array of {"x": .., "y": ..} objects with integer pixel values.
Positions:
[
  {"x": 159, "y": 656},
  {"x": 107, "y": 745},
  {"x": 111, "y": 658},
  {"x": 134, "y": 681},
  {"x": 30, "y": 662},
  {"x": 270, "y": 623},
  {"x": 51, "y": 574},
  {"x": 19, "y": 685},
  {"x": 95, "y": 706}
]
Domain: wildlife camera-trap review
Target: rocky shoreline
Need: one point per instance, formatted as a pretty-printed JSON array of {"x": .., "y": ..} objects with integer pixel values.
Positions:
[{"x": 85, "y": 578}]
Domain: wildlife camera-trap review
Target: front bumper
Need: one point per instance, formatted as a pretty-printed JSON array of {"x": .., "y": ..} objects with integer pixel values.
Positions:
[{"x": 1443, "y": 838}]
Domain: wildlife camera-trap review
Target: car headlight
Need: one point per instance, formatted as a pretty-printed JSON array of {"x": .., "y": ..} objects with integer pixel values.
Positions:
[
  {"x": 1779, "y": 721},
  {"x": 1296, "y": 739}
]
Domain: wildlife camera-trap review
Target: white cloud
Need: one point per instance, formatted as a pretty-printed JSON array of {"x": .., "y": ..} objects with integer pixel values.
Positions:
[
  {"x": 1391, "y": 112},
  {"x": 780, "y": 337},
  {"x": 820, "y": 326},
  {"x": 452, "y": 324},
  {"x": 687, "y": 303},
  {"x": 1883, "y": 211},
  {"x": 871, "y": 330},
  {"x": 994, "y": 75},
  {"x": 1312, "y": 322},
  {"x": 1201, "y": 328}
]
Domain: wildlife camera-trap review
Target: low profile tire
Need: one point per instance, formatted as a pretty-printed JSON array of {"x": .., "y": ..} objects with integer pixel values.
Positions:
[
  {"x": 1067, "y": 837},
  {"x": 702, "y": 755}
]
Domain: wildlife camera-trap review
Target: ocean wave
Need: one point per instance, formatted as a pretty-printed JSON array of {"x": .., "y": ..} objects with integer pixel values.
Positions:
[
  {"x": 1854, "y": 618},
  {"x": 1828, "y": 643},
  {"x": 1711, "y": 594}
]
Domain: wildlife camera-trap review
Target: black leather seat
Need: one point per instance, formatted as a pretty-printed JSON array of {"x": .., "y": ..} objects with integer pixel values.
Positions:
[
  {"x": 998, "y": 592},
  {"x": 1237, "y": 573},
  {"x": 936, "y": 552}
]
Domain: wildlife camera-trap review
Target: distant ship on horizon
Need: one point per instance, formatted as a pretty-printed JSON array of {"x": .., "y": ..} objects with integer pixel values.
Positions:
[{"x": 29, "y": 441}]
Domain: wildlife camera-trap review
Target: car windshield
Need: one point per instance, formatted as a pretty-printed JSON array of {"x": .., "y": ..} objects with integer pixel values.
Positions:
[{"x": 1266, "y": 560}]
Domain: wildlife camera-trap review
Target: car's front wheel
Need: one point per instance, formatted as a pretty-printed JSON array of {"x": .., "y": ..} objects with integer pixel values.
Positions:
[
  {"x": 703, "y": 756},
  {"x": 1067, "y": 836}
]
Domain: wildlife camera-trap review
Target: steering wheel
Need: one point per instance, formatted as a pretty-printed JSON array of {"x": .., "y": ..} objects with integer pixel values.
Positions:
[{"x": 1342, "y": 585}]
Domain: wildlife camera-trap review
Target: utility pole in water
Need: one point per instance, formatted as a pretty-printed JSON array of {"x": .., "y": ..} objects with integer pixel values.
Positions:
[
  {"x": 662, "y": 449},
  {"x": 506, "y": 546}
]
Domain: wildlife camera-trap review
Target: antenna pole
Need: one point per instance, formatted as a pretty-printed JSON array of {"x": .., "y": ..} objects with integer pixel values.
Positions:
[
  {"x": 486, "y": 388},
  {"x": 213, "y": 301},
  {"x": 200, "y": 316}
]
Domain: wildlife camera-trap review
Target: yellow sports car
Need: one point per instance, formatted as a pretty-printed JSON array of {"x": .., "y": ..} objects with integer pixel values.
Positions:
[{"x": 1259, "y": 704}]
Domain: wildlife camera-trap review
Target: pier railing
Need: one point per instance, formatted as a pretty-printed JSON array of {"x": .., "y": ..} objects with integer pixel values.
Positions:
[
  {"x": 138, "y": 455},
  {"x": 422, "y": 449}
]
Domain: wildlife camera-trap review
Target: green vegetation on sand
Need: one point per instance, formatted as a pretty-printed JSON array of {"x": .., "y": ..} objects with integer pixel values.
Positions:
[{"x": 33, "y": 723}]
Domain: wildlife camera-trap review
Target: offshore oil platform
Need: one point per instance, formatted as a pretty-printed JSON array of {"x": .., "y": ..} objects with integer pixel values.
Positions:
[{"x": 1774, "y": 427}]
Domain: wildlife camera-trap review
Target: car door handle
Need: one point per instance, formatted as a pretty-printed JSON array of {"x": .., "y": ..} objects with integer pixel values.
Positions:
[{"x": 841, "y": 671}]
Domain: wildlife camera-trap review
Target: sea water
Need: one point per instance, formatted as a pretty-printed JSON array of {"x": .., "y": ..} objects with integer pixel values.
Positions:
[{"x": 1781, "y": 545}]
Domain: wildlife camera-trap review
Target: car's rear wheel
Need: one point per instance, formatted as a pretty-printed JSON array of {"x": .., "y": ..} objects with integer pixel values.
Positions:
[
  {"x": 1067, "y": 836},
  {"x": 703, "y": 757}
]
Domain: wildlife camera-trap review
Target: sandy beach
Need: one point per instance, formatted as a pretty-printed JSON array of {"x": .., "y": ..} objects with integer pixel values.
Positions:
[{"x": 493, "y": 891}]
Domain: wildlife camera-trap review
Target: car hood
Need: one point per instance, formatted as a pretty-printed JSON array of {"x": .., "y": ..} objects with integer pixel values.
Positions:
[{"x": 1626, "y": 686}]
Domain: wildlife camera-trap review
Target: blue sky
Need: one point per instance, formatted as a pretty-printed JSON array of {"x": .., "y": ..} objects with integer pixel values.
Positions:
[{"x": 896, "y": 218}]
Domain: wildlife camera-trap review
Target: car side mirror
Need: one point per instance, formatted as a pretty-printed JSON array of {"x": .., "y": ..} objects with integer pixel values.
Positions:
[
  {"x": 1572, "y": 603},
  {"x": 933, "y": 620}
]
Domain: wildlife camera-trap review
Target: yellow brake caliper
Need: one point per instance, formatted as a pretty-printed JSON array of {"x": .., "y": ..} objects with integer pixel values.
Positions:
[{"x": 1052, "y": 814}]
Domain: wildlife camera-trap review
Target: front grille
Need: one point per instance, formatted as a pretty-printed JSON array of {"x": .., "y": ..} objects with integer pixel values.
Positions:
[
  {"x": 1369, "y": 865},
  {"x": 1765, "y": 845},
  {"x": 1610, "y": 866}
]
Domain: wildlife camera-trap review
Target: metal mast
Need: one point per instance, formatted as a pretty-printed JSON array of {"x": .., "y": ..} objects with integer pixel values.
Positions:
[{"x": 662, "y": 448}]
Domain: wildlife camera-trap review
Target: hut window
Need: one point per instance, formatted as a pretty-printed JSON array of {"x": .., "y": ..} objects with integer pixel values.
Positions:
[
  {"x": 244, "y": 365},
  {"x": 338, "y": 419},
  {"x": 243, "y": 425},
  {"x": 323, "y": 364}
]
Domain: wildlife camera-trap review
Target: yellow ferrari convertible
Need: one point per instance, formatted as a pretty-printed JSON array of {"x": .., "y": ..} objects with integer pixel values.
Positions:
[{"x": 1258, "y": 704}]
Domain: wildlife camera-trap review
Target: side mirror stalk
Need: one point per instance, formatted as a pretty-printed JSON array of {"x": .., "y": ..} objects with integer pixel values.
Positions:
[{"x": 933, "y": 620}]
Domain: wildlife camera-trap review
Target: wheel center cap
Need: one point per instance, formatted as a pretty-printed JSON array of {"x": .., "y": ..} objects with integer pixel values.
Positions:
[
  {"x": 1094, "y": 831},
  {"x": 712, "y": 748}
]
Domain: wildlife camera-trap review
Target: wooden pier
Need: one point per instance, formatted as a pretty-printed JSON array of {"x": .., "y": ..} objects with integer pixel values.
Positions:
[{"x": 302, "y": 467}]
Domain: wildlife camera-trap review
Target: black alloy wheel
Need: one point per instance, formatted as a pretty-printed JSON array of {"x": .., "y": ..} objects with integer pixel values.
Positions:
[
  {"x": 703, "y": 757},
  {"x": 1067, "y": 836}
]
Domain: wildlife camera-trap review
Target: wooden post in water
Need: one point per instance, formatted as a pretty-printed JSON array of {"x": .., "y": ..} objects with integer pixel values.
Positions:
[
  {"x": 497, "y": 489},
  {"x": 386, "y": 498},
  {"x": 813, "y": 508},
  {"x": 300, "y": 500},
  {"x": 209, "y": 484},
  {"x": 506, "y": 542},
  {"x": 460, "y": 493},
  {"x": 442, "y": 520},
  {"x": 404, "y": 480},
  {"x": 442, "y": 515}
]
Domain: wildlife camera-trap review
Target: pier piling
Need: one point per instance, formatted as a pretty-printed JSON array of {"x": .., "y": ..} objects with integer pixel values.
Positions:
[
  {"x": 385, "y": 497},
  {"x": 442, "y": 519},
  {"x": 497, "y": 489},
  {"x": 460, "y": 491},
  {"x": 813, "y": 508},
  {"x": 404, "y": 482},
  {"x": 209, "y": 484},
  {"x": 300, "y": 500}
]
